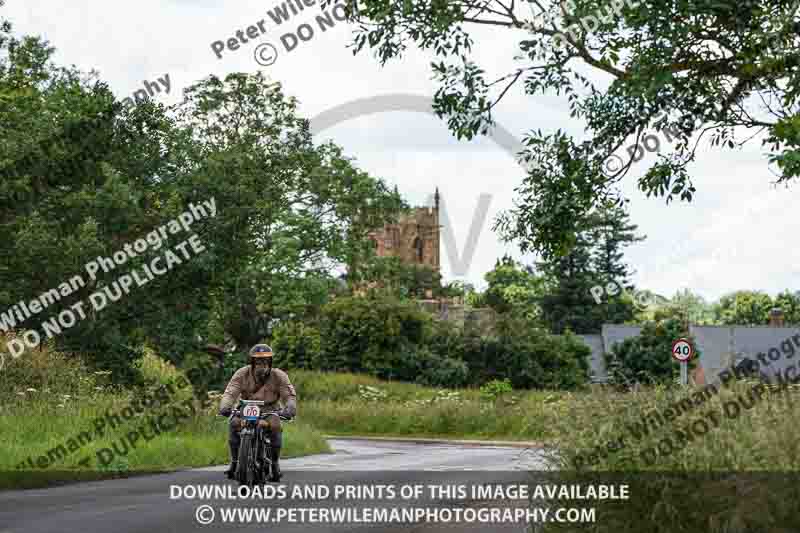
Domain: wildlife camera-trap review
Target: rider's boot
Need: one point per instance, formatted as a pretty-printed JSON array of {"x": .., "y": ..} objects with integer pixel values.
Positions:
[
  {"x": 275, "y": 443},
  {"x": 276, "y": 468},
  {"x": 233, "y": 443},
  {"x": 231, "y": 472}
]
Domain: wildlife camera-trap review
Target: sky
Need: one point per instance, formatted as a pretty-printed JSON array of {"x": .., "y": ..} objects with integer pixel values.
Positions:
[{"x": 735, "y": 234}]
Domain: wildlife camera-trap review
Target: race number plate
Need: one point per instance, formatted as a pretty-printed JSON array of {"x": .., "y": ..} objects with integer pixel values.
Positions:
[{"x": 251, "y": 412}]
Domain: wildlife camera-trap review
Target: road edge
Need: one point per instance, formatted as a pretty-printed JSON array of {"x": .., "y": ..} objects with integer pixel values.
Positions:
[{"x": 425, "y": 440}]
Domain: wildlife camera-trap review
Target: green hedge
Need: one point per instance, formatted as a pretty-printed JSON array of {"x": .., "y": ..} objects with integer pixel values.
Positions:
[
  {"x": 394, "y": 339},
  {"x": 528, "y": 357}
]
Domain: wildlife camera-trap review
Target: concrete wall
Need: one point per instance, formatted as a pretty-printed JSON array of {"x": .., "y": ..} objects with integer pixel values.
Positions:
[
  {"x": 613, "y": 333},
  {"x": 601, "y": 343},
  {"x": 597, "y": 365},
  {"x": 721, "y": 346}
]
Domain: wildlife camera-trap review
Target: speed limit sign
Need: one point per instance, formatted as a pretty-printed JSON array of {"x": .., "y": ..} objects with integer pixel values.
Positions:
[{"x": 682, "y": 350}]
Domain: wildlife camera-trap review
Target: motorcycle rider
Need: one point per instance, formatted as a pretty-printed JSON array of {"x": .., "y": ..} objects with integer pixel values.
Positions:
[{"x": 259, "y": 381}]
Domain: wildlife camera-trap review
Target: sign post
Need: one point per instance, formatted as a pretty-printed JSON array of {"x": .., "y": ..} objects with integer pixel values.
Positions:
[
  {"x": 684, "y": 373},
  {"x": 682, "y": 351}
]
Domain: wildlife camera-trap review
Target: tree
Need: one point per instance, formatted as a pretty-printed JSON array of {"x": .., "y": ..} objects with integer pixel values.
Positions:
[
  {"x": 611, "y": 231},
  {"x": 393, "y": 276},
  {"x": 747, "y": 308},
  {"x": 513, "y": 288},
  {"x": 81, "y": 177},
  {"x": 684, "y": 306},
  {"x": 567, "y": 302},
  {"x": 553, "y": 201},
  {"x": 730, "y": 67},
  {"x": 595, "y": 260},
  {"x": 291, "y": 212},
  {"x": 789, "y": 303}
]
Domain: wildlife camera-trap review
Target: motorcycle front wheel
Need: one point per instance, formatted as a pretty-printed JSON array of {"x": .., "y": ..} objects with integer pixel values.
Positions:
[{"x": 246, "y": 471}]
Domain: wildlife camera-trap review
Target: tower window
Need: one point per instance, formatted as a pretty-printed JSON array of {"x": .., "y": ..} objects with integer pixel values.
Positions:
[{"x": 418, "y": 248}]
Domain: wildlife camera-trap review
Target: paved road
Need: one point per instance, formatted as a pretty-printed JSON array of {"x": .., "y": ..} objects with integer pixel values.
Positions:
[{"x": 144, "y": 504}]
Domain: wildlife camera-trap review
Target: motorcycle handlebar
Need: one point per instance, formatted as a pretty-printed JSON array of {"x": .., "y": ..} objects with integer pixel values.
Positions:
[{"x": 238, "y": 412}]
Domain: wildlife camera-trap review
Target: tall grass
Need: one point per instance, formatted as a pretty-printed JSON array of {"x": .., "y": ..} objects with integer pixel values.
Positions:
[
  {"x": 740, "y": 476},
  {"x": 349, "y": 404},
  {"x": 765, "y": 437},
  {"x": 48, "y": 399}
]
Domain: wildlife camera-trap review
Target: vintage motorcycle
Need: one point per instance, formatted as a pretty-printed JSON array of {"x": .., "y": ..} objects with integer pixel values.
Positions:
[{"x": 255, "y": 454}]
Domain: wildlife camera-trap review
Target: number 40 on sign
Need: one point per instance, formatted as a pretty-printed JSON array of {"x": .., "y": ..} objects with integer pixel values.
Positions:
[{"x": 682, "y": 351}]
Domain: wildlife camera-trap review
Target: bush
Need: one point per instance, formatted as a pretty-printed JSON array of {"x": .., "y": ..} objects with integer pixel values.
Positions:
[
  {"x": 646, "y": 358},
  {"x": 495, "y": 388},
  {"x": 204, "y": 373},
  {"x": 401, "y": 363},
  {"x": 392, "y": 339},
  {"x": 447, "y": 340},
  {"x": 297, "y": 345},
  {"x": 528, "y": 357},
  {"x": 156, "y": 371},
  {"x": 374, "y": 335},
  {"x": 442, "y": 371},
  {"x": 46, "y": 370},
  {"x": 534, "y": 358}
]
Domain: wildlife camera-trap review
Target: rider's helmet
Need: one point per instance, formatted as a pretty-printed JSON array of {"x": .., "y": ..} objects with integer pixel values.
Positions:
[{"x": 261, "y": 351}]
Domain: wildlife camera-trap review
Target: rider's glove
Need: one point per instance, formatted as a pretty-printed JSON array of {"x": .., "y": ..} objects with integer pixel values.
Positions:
[
  {"x": 225, "y": 411},
  {"x": 284, "y": 413}
]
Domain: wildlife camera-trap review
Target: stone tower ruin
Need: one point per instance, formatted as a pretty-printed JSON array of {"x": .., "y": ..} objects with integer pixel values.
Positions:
[{"x": 414, "y": 238}]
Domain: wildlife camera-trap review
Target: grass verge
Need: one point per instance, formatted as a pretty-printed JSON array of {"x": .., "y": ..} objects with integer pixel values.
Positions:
[
  {"x": 60, "y": 423},
  {"x": 723, "y": 460},
  {"x": 348, "y": 404}
]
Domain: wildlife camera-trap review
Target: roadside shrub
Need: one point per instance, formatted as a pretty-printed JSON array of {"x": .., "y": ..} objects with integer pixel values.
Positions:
[
  {"x": 204, "y": 372},
  {"x": 442, "y": 371},
  {"x": 111, "y": 351},
  {"x": 46, "y": 371},
  {"x": 297, "y": 344},
  {"x": 445, "y": 339},
  {"x": 647, "y": 357},
  {"x": 404, "y": 362},
  {"x": 495, "y": 388},
  {"x": 374, "y": 335},
  {"x": 528, "y": 357},
  {"x": 155, "y": 370}
]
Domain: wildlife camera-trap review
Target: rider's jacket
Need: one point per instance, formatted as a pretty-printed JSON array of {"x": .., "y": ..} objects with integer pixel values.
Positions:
[{"x": 277, "y": 389}]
